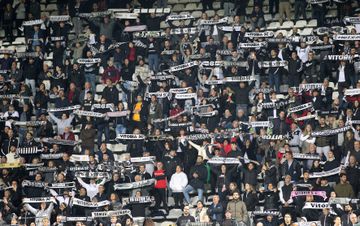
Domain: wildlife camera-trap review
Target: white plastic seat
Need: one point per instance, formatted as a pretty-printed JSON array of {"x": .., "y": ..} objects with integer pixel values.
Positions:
[
  {"x": 307, "y": 31},
  {"x": 51, "y": 7},
  {"x": 268, "y": 17},
  {"x": 273, "y": 26},
  {"x": 190, "y": 7},
  {"x": 178, "y": 8},
  {"x": 19, "y": 41},
  {"x": 287, "y": 25},
  {"x": 163, "y": 24},
  {"x": 196, "y": 14},
  {"x": 210, "y": 13},
  {"x": 300, "y": 24},
  {"x": 217, "y": 5},
  {"x": 312, "y": 23},
  {"x": 220, "y": 12},
  {"x": 335, "y": 95},
  {"x": 99, "y": 88},
  {"x": 249, "y": 10}
]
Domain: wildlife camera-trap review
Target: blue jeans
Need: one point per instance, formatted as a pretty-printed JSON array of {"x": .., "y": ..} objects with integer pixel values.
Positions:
[
  {"x": 103, "y": 128},
  {"x": 274, "y": 80},
  {"x": 120, "y": 129},
  {"x": 91, "y": 78},
  {"x": 153, "y": 62},
  {"x": 189, "y": 189}
]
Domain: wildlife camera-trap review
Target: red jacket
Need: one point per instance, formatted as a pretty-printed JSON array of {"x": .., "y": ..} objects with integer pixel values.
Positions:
[
  {"x": 160, "y": 178},
  {"x": 70, "y": 137},
  {"x": 111, "y": 73}
]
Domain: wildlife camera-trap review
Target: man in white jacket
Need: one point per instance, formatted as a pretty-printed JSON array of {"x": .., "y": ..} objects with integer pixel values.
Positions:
[{"x": 178, "y": 182}]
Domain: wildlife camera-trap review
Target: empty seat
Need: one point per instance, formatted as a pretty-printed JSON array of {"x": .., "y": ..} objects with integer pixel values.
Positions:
[
  {"x": 335, "y": 95},
  {"x": 220, "y": 12},
  {"x": 307, "y": 31},
  {"x": 273, "y": 26},
  {"x": 51, "y": 7},
  {"x": 217, "y": 5},
  {"x": 163, "y": 25},
  {"x": 312, "y": 23},
  {"x": 178, "y": 8},
  {"x": 99, "y": 88},
  {"x": 19, "y": 41},
  {"x": 190, "y": 7},
  {"x": 196, "y": 14},
  {"x": 210, "y": 13},
  {"x": 287, "y": 25},
  {"x": 300, "y": 24},
  {"x": 268, "y": 17}
]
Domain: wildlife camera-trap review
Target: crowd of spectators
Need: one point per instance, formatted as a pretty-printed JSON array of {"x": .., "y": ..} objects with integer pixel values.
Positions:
[{"x": 215, "y": 120}]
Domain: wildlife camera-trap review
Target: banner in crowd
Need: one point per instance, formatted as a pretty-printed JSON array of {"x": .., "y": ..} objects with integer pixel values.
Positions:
[
  {"x": 89, "y": 114},
  {"x": 346, "y": 37},
  {"x": 143, "y": 160},
  {"x": 182, "y": 96},
  {"x": 29, "y": 123},
  {"x": 130, "y": 137},
  {"x": 213, "y": 22},
  {"x": 352, "y": 92},
  {"x": 338, "y": 57},
  {"x": 79, "y": 202},
  {"x": 306, "y": 193},
  {"x": 39, "y": 200},
  {"x": 316, "y": 205},
  {"x": 9, "y": 165},
  {"x": 330, "y": 132},
  {"x": 89, "y": 60},
  {"x": 88, "y": 174},
  {"x": 70, "y": 108},
  {"x": 307, "y": 117},
  {"x": 266, "y": 213},
  {"x": 326, "y": 173},
  {"x": 60, "y": 141},
  {"x": 179, "y": 17},
  {"x": 107, "y": 214},
  {"x": 133, "y": 185},
  {"x": 183, "y": 66},
  {"x": 263, "y": 34},
  {"x": 64, "y": 185},
  {"x": 126, "y": 16},
  {"x": 59, "y": 18},
  {"x": 253, "y": 45},
  {"x": 223, "y": 160},
  {"x": 79, "y": 158},
  {"x": 27, "y": 183},
  {"x": 137, "y": 200},
  {"x": 353, "y": 20},
  {"x": 153, "y": 10},
  {"x": 32, "y": 22},
  {"x": 305, "y": 156},
  {"x": 342, "y": 201},
  {"x": 300, "y": 108},
  {"x": 270, "y": 64},
  {"x": 95, "y": 14}
]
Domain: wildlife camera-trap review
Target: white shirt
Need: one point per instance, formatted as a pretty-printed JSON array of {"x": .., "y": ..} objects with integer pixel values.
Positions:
[{"x": 341, "y": 74}]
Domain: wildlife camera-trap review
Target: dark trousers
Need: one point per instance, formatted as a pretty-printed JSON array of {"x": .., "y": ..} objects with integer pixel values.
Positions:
[
  {"x": 273, "y": 3},
  {"x": 207, "y": 5},
  {"x": 178, "y": 198},
  {"x": 160, "y": 197}
]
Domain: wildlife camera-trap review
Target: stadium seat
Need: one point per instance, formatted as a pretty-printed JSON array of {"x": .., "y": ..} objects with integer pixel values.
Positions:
[
  {"x": 196, "y": 14},
  {"x": 335, "y": 95},
  {"x": 210, "y": 13},
  {"x": 220, "y": 12},
  {"x": 287, "y": 25},
  {"x": 300, "y": 24},
  {"x": 174, "y": 214},
  {"x": 312, "y": 23},
  {"x": 163, "y": 25},
  {"x": 50, "y": 56},
  {"x": 190, "y": 7},
  {"x": 171, "y": 2},
  {"x": 217, "y": 5},
  {"x": 99, "y": 88},
  {"x": 51, "y": 7},
  {"x": 268, "y": 17},
  {"x": 307, "y": 31},
  {"x": 178, "y": 8},
  {"x": 273, "y": 26},
  {"x": 19, "y": 41},
  {"x": 168, "y": 223}
]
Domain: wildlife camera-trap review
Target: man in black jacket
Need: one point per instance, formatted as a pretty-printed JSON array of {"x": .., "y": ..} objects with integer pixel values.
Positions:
[
  {"x": 295, "y": 69},
  {"x": 275, "y": 73},
  {"x": 110, "y": 93}
]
